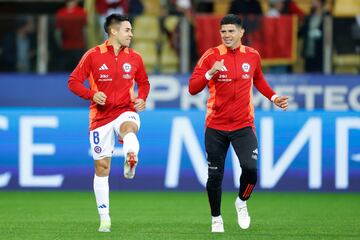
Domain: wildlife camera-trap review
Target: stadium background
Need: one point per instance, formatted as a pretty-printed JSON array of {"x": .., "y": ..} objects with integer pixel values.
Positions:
[{"x": 312, "y": 148}]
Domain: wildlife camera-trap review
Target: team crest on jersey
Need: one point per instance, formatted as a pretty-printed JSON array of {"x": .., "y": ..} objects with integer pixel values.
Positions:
[
  {"x": 127, "y": 67},
  {"x": 245, "y": 67},
  {"x": 97, "y": 149}
]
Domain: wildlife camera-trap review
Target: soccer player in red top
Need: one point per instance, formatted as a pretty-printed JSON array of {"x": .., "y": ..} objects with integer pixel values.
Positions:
[
  {"x": 112, "y": 70},
  {"x": 229, "y": 71}
]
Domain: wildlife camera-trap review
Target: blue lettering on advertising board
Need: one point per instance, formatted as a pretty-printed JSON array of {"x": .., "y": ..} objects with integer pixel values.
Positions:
[{"x": 48, "y": 148}]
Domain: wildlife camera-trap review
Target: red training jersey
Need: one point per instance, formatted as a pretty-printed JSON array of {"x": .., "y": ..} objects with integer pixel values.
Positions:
[
  {"x": 113, "y": 75},
  {"x": 230, "y": 106}
]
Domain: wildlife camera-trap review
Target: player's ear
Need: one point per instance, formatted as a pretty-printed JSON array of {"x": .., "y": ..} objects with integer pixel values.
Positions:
[
  {"x": 112, "y": 30},
  {"x": 242, "y": 31}
]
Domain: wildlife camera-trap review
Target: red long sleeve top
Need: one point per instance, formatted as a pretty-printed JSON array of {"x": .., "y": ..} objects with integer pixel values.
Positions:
[
  {"x": 230, "y": 106},
  {"x": 115, "y": 75}
]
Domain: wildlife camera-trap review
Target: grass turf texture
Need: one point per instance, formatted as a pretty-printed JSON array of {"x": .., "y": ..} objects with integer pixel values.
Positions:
[{"x": 178, "y": 215}]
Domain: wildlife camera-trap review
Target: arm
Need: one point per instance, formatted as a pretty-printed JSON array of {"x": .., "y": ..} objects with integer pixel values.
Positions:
[
  {"x": 143, "y": 84},
  {"x": 265, "y": 89},
  {"x": 260, "y": 82},
  {"x": 202, "y": 73},
  {"x": 79, "y": 75}
]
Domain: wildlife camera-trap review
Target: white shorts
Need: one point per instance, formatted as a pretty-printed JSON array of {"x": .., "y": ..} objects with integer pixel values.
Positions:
[{"x": 102, "y": 139}]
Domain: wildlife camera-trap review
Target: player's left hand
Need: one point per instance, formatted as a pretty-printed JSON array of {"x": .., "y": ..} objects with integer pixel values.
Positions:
[
  {"x": 282, "y": 102},
  {"x": 139, "y": 105}
]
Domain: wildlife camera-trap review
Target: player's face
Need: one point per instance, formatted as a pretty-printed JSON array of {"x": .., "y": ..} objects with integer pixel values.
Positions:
[
  {"x": 123, "y": 33},
  {"x": 231, "y": 35}
]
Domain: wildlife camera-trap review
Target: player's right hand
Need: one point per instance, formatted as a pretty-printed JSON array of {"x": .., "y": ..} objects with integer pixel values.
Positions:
[
  {"x": 99, "y": 98},
  {"x": 139, "y": 105},
  {"x": 216, "y": 67}
]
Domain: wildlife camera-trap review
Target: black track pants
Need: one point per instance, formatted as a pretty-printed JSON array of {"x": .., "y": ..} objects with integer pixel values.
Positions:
[{"x": 217, "y": 142}]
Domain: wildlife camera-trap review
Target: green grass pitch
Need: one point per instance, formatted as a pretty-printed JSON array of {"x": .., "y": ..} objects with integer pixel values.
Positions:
[{"x": 178, "y": 215}]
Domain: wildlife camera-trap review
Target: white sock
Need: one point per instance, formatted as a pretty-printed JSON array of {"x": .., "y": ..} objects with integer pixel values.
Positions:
[
  {"x": 101, "y": 190},
  {"x": 240, "y": 202},
  {"x": 218, "y": 218},
  {"x": 105, "y": 217},
  {"x": 131, "y": 144}
]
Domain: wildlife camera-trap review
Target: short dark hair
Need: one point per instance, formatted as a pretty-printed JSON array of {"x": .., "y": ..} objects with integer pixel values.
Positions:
[
  {"x": 231, "y": 19},
  {"x": 114, "y": 18}
]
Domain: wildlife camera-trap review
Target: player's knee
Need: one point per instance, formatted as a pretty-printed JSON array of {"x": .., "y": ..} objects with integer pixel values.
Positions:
[
  {"x": 128, "y": 127},
  {"x": 102, "y": 169},
  {"x": 214, "y": 180},
  {"x": 249, "y": 169}
]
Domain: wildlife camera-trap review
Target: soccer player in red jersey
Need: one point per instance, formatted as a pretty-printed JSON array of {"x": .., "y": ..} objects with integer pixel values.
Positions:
[
  {"x": 112, "y": 69},
  {"x": 229, "y": 71}
]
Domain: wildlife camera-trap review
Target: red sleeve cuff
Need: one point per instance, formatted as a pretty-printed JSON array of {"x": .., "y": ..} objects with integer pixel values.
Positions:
[{"x": 91, "y": 95}]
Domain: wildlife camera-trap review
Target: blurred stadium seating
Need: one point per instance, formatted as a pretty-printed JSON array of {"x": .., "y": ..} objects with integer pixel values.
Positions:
[
  {"x": 154, "y": 34},
  {"x": 146, "y": 27},
  {"x": 346, "y": 8},
  {"x": 149, "y": 53},
  {"x": 152, "y": 7},
  {"x": 346, "y": 36},
  {"x": 146, "y": 30},
  {"x": 169, "y": 59}
]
